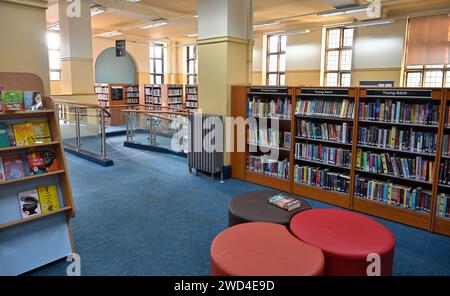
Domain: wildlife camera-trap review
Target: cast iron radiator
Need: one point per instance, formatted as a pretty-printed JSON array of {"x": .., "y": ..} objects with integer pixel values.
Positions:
[{"x": 206, "y": 143}]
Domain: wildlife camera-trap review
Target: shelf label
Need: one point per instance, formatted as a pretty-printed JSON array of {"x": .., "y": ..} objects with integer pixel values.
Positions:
[
  {"x": 120, "y": 48},
  {"x": 324, "y": 92},
  {"x": 402, "y": 93},
  {"x": 269, "y": 90}
]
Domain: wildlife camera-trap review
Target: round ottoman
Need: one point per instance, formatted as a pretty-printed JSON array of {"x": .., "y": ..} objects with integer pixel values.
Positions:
[
  {"x": 253, "y": 207},
  {"x": 346, "y": 239},
  {"x": 263, "y": 249}
]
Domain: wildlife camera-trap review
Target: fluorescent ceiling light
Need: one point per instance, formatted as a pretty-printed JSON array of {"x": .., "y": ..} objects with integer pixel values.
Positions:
[
  {"x": 154, "y": 24},
  {"x": 53, "y": 27},
  {"x": 306, "y": 31},
  {"x": 195, "y": 15},
  {"x": 266, "y": 23},
  {"x": 97, "y": 9},
  {"x": 344, "y": 10},
  {"x": 110, "y": 34},
  {"x": 192, "y": 35},
  {"x": 134, "y": 1},
  {"x": 370, "y": 23}
]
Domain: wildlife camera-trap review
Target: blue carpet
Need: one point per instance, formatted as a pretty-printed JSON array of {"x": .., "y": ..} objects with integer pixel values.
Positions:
[{"x": 147, "y": 215}]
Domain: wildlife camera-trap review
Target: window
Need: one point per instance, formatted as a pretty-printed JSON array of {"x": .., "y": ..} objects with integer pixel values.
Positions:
[
  {"x": 157, "y": 63},
  {"x": 191, "y": 62},
  {"x": 339, "y": 53},
  {"x": 427, "y": 76},
  {"x": 276, "y": 60},
  {"x": 54, "y": 55}
]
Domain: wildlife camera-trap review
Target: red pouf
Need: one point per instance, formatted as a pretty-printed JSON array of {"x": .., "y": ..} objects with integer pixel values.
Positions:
[
  {"x": 263, "y": 249},
  {"x": 346, "y": 238}
]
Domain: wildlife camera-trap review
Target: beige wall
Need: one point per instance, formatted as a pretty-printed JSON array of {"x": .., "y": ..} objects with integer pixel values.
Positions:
[{"x": 23, "y": 40}]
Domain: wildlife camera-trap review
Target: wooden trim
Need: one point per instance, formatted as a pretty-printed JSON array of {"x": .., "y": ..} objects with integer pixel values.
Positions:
[
  {"x": 32, "y": 177},
  {"x": 35, "y": 217},
  {"x": 322, "y": 195},
  {"x": 264, "y": 180},
  {"x": 442, "y": 226},
  {"x": 27, "y": 147},
  {"x": 224, "y": 39}
]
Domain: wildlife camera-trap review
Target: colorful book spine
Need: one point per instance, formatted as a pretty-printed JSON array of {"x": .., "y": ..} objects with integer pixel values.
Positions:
[
  {"x": 323, "y": 178},
  {"x": 341, "y": 133},
  {"x": 325, "y": 108},
  {"x": 324, "y": 154},
  {"x": 270, "y": 167},
  {"x": 275, "y": 108}
]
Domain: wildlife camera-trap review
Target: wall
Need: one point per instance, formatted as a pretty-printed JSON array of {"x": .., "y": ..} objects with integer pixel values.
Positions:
[
  {"x": 378, "y": 55},
  {"x": 24, "y": 43},
  {"x": 112, "y": 69}
]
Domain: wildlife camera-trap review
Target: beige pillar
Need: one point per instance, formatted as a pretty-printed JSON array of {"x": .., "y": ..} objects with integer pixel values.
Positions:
[
  {"x": 224, "y": 53},
  {"x": 77, "y": 76},
  {"x": 23, "y": 38}
]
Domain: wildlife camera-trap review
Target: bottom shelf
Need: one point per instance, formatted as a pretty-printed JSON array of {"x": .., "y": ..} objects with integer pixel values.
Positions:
[
  {"x": 35, "y": 217},
  {"x": 322, "y": 195},
  {"x": 442, "y": 226},
  {"x": 400, "y": 215},
  {"x": 273, "y": 182}
]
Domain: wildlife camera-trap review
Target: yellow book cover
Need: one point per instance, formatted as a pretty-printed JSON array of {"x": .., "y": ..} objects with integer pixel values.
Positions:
[
  {"x": 359, "y": 159},
  {"x": 41, "y": 131},
  {"x": 23, "y": 133},
  {"x": 393, "y": 135},
  {"x": 48, "y": 195},
  {"x": 384, "y": 163}
]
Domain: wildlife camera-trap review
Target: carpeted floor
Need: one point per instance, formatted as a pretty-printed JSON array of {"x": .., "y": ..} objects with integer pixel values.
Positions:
[{"x": 147, "y": 215}]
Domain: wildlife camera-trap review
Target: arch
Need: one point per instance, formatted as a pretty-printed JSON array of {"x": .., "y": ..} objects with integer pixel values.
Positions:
[{"x": 112, "y": 69}]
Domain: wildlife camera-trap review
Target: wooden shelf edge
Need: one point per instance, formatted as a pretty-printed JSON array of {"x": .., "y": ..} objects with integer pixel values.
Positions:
[
  {"x": 323, "y": 195},
  {"x": 35, "y": 217},
  {"x": 25, "y": 147},
  {"x": 442, "y": 226},
  {"x": 399, "y": 215},
  {"x": 273, "y": 182},
  {"x": 27, "y": 114},
  {"x": 32, "y": 177}
]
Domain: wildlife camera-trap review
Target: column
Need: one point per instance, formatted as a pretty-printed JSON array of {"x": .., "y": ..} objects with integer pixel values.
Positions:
[
  {"x": 77, "y": 75},
  {"x": 224, "y": 53}
]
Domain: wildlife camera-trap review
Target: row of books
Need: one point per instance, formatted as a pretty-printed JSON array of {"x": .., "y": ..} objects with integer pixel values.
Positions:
[
  {"x": 276, "y": 108},
  {"x": 175, "y": 91},
  {"x": 444, "y": 172},
  {"x": 22, "y": 134},
  {"x": 399, "y": 112},
  {"x": 191, "y": 90},
  {"x": 320, "y": 177},
  {"x": 41, "y": 200},
  {"x": 191, "y": 104},
  {"x": 326, "y": 108},
  {"x": 132, "y": 88},
  {"x": 446, "y": 145},
  {"x": 16, "y": 100},
  {"x": 12, "y": 167},
  {"x": 393, "y": 194},
  {"x": 133, "y": 95},
  {"x": 341, "y": 133},
  {"x": 325, "y": 154},
  {"x": 270, "y": 167},
  {"x": 401, "y": 139},
  {"x": 132, "y": 100},
  {"x": 191, "y": 97},
  {"x": 175, "y": 100},
  {"x": 101, "y": 88},
  {"x": 385, "y": 163},
  {"x": 443, "y": 209},
  {"x": 270, "y": 137}
]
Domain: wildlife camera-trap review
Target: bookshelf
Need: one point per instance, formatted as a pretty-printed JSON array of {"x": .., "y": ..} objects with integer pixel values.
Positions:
[
  {"x": 102, "y": 92},
  {"x": 376, "y": 151},
  {"x": 132, "y": 94},
  {"x": 191, "y": 92},
  {"x": 20, "y": 235},
  {"x": 173, "y": 95},
  {"x": 153, "y": 95}
]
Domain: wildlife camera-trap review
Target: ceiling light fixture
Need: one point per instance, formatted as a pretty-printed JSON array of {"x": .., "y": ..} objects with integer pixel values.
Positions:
[
  {"x": 266, "y": 23},
  {"x": 97, "y": 9},
  {"x": 154, "y": 24},
  {"x": 195, "y": 15},
  {"x": 305, "y": 31},
  {"x": 370, "y": 23},
  {"x": 110, "y": 34},
  {"x": 54, "y": 27},
  {"x": 192, "y": 35},
  {"x": 344, "y": 10},
  {"x": 134, "y": 1}
]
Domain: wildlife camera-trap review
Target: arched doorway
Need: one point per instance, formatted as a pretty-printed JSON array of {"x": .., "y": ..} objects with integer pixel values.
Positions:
[{"x": 112, "y": 69}]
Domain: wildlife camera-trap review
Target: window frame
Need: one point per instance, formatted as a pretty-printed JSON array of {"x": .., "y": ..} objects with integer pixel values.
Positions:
[
  {"x": 423, "y": 69},
  {"x": 278, "y": 54},
  {"x": 340, "y": 49},
  {"x": 153, "y": 59},
  {"x": 191, "y": 74},
  {"x": 58, "y": 50}
]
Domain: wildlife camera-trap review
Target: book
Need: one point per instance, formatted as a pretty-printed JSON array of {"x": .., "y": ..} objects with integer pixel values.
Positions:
[
  {"x": 41, "y": 162},
  {"x": 12, "y": 138},
  {"x": 287, "y": 140},
  {"x": 41, "y": 131},
  {"x": 4, "y": 136},
  {"x": 13, "y": 167},
  {"x": 23, "y": 134},
  {"x": 32, "y": 100},
  {"x": 284, "y": 202},
  {"x": 48, "y": 195},
  {"x": 29, "y": 203},
  {"x": 12, "y": 100},
  {"x": 2, "y": 171}
]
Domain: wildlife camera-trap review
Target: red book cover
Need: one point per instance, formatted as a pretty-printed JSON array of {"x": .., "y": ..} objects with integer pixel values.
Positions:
[{"x": 13, "y": 166}]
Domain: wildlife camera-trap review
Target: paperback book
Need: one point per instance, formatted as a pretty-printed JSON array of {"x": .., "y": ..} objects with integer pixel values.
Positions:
[
  {"x": 12, "y": 100},
  {"x": 32, "y": 100},
  {"x": 48, "y": 195},
  {"x": 13, "y": 167},
  {"x": 4, "y": 135},
  {"x": 29, "y": 203},
  {"x": 41, "y": 131},
  {"x": 41, "y": 162},
  {"x": 284, "y": 202},
  {"x": 23, "y": 134},
  {"x": 2, "y": 171}
]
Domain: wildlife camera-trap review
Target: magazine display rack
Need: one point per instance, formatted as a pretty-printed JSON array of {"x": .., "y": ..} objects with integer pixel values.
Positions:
[{"x": 31, "y": 242}]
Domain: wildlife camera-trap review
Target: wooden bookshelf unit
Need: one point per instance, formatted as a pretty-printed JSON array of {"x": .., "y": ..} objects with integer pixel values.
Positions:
[
  {"x": 191, "y": 93},
  {"x": 39, "y": 239},
  {"x": 379, "y": 151}
]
